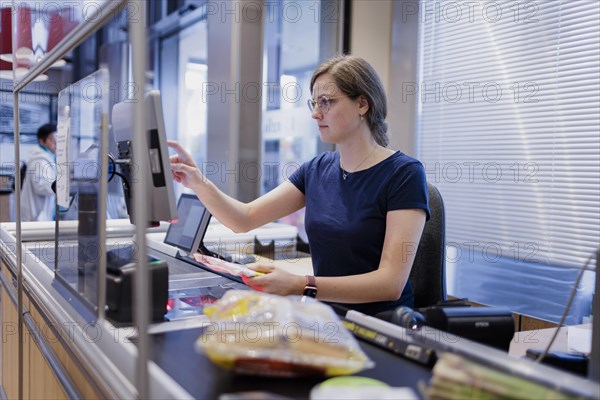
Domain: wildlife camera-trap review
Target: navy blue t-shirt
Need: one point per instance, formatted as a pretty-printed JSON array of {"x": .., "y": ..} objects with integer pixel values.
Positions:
[{"x": 345, "y": 220}]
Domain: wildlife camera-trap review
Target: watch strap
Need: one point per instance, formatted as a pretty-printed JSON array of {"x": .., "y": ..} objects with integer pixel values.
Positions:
[{"x": 310, "y": 290}]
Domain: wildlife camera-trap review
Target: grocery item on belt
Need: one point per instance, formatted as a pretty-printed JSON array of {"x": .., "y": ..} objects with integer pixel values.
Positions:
[{"x": 263, "y": 334}]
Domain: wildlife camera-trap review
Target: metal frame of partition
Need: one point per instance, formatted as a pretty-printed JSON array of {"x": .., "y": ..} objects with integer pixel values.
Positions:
[
  {"x": 141, "y": 303},
  {"x": 137, "y": 27}
]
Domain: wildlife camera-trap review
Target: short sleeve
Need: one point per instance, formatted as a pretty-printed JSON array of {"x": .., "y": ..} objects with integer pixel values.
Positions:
[
  {"x": 409, "y": 189},
  {"x": 298, "y": 178}
]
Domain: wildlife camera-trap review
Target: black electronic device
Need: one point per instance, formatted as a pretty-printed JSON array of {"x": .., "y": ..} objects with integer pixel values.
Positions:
[
  {"x": 572, "y": 362},
  {"x": 494, "y": 326},
  {"x": 187, "y": 233},
  {"x": 186, "y": 236},
  {"x": 403, "y": 342},
  {"x": 120, "y": 272},
  {"x": 155, "y": 168},
  {"x": 402, "y": 316}
]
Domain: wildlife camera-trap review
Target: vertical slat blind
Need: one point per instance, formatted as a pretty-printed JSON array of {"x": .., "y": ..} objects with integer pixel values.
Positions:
[{"x": 509, "y": 125}]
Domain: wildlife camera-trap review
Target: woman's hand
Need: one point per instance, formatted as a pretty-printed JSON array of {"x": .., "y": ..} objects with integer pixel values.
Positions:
[
  {"x": 183, "y": 167},
  {"x": 276, "y": 281}
]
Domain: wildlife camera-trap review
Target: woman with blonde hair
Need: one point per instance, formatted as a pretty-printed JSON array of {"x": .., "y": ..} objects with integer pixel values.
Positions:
[{"x": 366, "y": 204}]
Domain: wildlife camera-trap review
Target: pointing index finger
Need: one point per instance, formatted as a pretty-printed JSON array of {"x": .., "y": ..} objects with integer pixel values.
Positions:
[{"x": 180, "y": 151}]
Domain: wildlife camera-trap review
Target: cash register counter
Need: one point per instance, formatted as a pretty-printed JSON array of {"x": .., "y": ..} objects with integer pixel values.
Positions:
[{"x": 67, "y": 354}]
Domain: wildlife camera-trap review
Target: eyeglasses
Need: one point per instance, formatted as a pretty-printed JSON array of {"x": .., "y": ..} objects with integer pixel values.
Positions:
[{"x": 322, "y": 103}]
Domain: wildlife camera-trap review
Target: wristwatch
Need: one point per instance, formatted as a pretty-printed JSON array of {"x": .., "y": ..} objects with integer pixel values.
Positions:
[{"x": 310, "y": 290}]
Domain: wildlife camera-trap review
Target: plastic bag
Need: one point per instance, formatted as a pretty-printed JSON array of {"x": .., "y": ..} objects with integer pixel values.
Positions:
[{"x": 262, "y": 334}]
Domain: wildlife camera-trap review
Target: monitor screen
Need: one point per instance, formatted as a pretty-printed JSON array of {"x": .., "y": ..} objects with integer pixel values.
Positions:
[
  {"x": 155, "y": 168},
  {"x": 187, "y": 233}
]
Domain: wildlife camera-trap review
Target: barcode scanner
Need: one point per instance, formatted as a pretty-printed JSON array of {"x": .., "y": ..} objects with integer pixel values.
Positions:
[{"x": 403, "y": 316}]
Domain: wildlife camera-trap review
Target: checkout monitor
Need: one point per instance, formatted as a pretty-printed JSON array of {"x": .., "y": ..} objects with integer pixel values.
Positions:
[
  {"x": 155, "y": 168},
  {"x": 187, "y": 233}
]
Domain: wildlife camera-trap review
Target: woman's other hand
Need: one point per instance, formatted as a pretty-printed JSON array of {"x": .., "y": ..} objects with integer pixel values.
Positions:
[{"x": 183, "y": 167}]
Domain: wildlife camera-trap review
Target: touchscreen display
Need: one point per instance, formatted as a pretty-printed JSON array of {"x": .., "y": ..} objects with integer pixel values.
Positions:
[{"x": 187, "y": 232}]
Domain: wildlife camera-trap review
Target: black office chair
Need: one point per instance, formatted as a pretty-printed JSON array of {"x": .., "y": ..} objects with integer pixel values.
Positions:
[{"x": 428, "y": 274}]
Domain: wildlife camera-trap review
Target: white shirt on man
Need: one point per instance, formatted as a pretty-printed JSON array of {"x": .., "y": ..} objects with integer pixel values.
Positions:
[{"x": 37, "y": 198}]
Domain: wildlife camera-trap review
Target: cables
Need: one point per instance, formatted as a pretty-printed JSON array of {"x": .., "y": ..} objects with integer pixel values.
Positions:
[
  {"x": 112, "y": 170},
  {"x": 567, "y": 307},
  {"x": 112, "y": 166}
]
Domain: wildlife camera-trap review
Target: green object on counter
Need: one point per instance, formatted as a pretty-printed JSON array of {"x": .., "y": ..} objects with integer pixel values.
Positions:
[{"x": 352, "y": 381}]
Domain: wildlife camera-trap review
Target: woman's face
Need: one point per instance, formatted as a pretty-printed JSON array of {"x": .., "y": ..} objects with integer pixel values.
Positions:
[{"x": 342, "y": 118}]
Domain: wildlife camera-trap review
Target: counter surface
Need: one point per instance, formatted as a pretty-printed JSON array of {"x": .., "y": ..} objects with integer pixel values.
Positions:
[
  {"x": 196, "y": 373},
  {"x": 174, "y": 352},
  {"x": 184, "y": 372}
]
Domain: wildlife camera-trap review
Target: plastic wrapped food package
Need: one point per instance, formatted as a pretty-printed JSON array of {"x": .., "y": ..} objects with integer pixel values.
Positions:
[{"x": 262, "y": 334}]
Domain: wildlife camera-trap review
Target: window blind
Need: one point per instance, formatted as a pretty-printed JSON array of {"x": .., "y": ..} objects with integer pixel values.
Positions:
[{"x": 508, "y": 124}]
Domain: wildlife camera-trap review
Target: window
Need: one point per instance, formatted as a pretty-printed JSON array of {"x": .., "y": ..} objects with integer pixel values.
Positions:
[
  {"x": 508, "y": 97},
  {"x": 299, "y": 35},
  {"x": 183, "y": 76}
]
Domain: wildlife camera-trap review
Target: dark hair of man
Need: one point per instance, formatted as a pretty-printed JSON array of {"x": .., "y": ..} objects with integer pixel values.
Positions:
[
  {"x": 356, "y": 77},
  {"x": 45, "y": 130}
]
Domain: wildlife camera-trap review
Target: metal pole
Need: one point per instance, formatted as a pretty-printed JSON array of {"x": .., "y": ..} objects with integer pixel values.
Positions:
[
  {"x": 137, "y": 30},
  {"x": 103, "y": 195},
  {"x": 19, "y": 250},
  {"x": 19, "y": 241}
]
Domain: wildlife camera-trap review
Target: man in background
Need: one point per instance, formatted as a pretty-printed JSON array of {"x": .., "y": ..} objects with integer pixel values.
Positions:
[{"x": 37, "y": 197}]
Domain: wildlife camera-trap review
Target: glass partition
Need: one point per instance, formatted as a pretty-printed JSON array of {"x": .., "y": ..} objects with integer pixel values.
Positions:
[{"x": 82, "y": 134}]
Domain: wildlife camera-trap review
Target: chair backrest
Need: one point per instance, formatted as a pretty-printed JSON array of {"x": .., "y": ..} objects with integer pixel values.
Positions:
[{"x": 428, "y": 274}]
